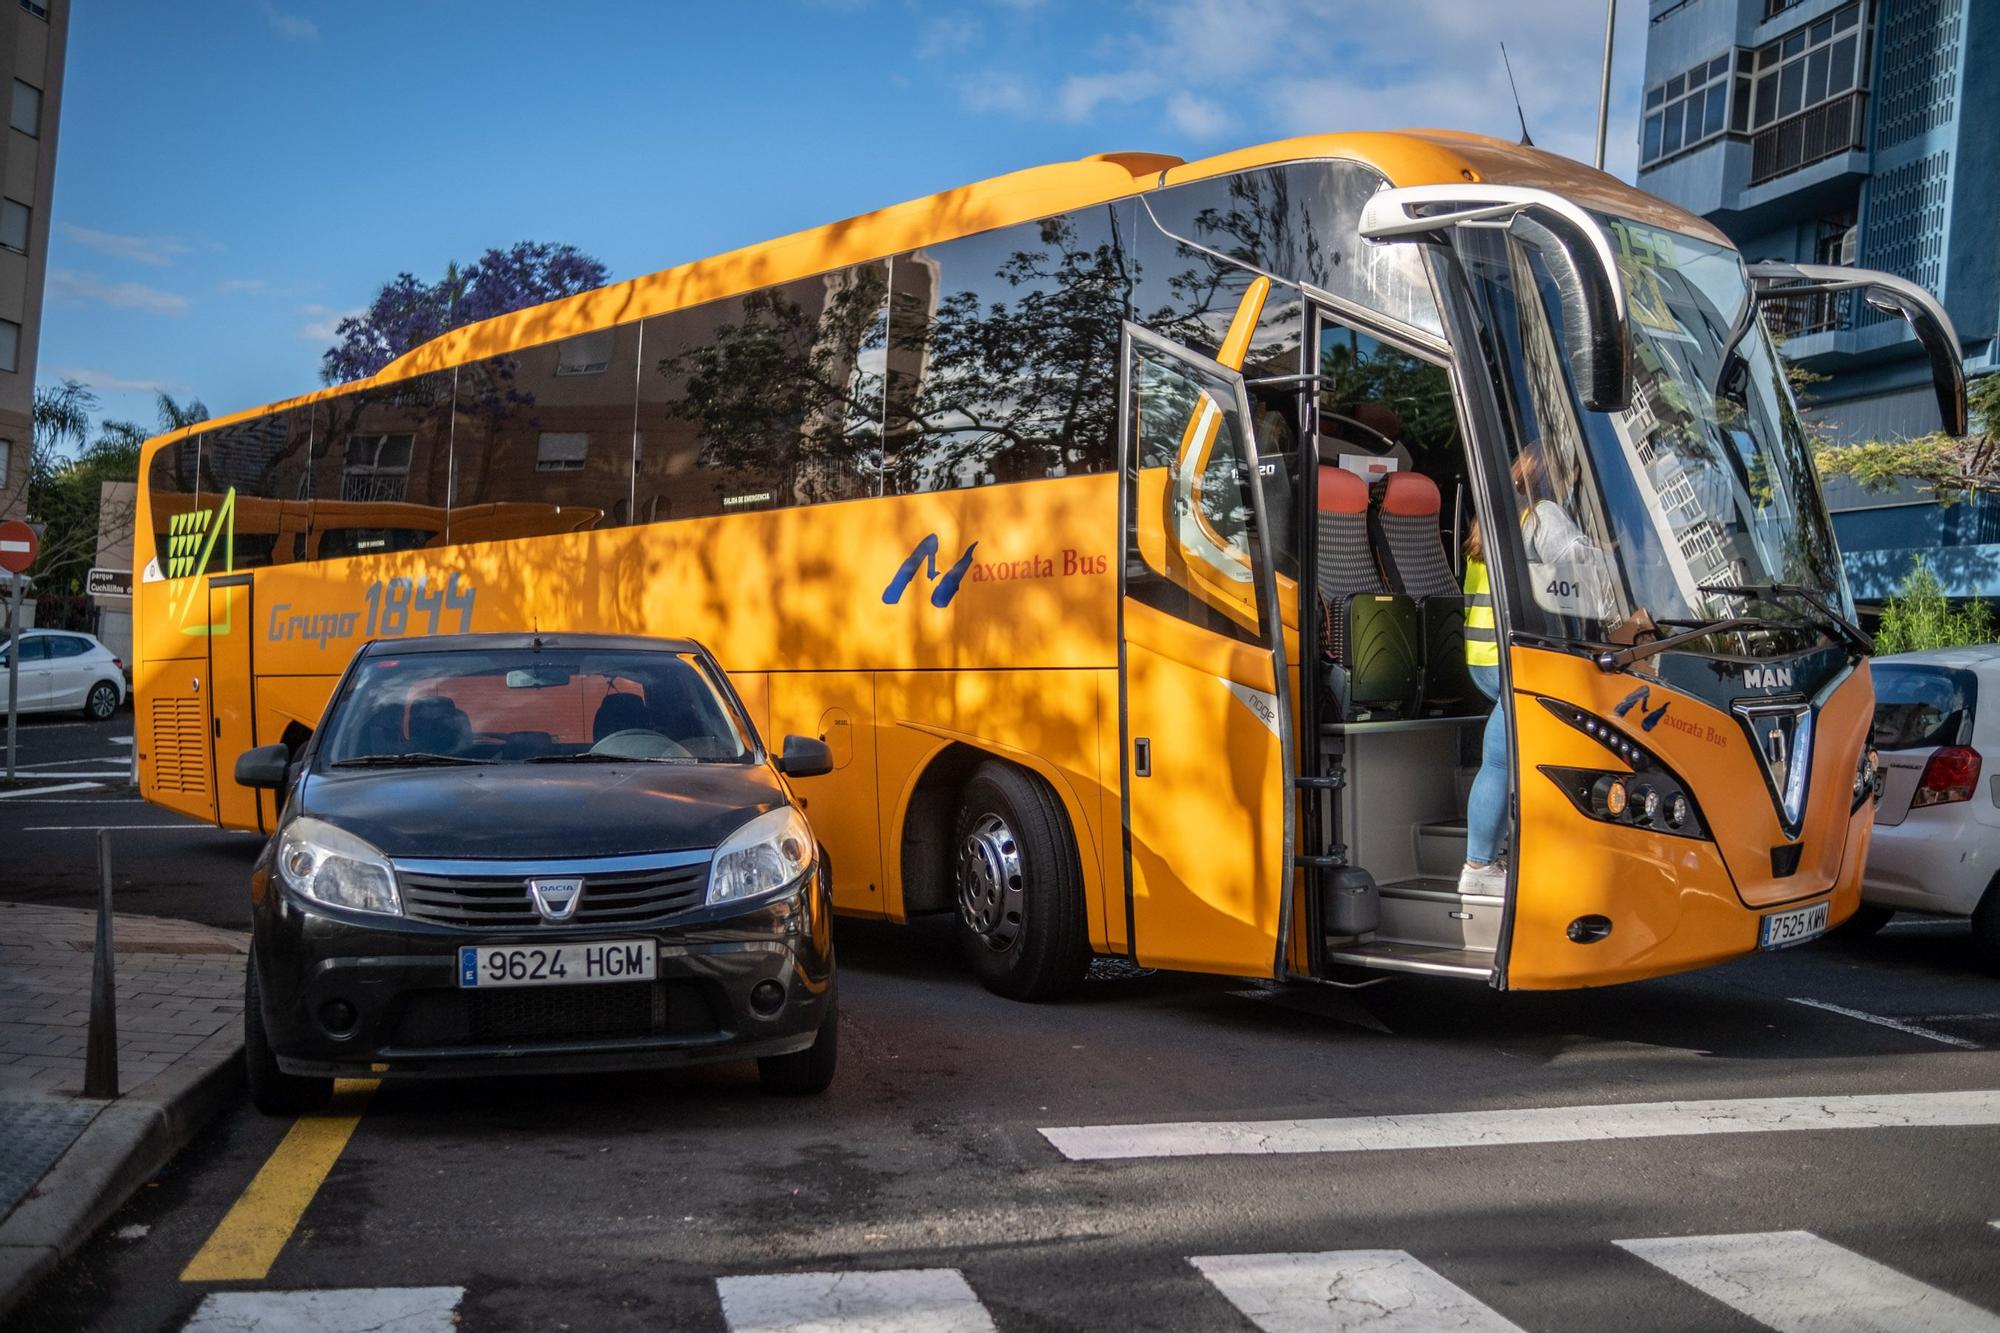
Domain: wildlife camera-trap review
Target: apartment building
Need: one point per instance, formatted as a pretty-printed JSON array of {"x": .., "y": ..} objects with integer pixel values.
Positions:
[{"x": 33, "y": 34}]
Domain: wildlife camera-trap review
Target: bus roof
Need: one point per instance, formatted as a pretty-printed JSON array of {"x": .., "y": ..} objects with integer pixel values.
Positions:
[{"x": 1403, "y": 157}]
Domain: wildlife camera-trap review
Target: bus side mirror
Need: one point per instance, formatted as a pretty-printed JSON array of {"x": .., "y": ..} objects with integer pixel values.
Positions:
[
  {"x": 1590, "y": 292},
  {"x": 1777, "y": 281},
  {"x": 804, "y": 757},
  {"x": 265, "y": 768}
]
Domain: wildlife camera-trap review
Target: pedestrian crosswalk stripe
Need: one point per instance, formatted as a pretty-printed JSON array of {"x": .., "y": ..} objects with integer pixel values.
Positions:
[
  {"x": 404, "y": 1309},
  {"x": 911, "y": 1300},
  {"x": 1547, "y": 1124},
  {"x": 1384, "y": 1291},
  {"x": 47, "y": 791},
  {"x": 1793, "y": 1281}
]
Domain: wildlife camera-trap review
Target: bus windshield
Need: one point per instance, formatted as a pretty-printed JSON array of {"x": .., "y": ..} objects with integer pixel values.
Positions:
[{"x": 1704, "y": 481}]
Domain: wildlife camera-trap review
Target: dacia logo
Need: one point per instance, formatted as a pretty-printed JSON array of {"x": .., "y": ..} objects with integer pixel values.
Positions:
[
  {"x": 925, "y": 557},
  {"x": 556, "y": 899},
  {"x": 1767, "y": 678}
]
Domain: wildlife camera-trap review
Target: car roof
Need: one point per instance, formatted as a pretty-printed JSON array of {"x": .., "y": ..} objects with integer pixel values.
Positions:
[
  {"x": 513, "y": 640},
  {"x": 1975, "y": 655}
]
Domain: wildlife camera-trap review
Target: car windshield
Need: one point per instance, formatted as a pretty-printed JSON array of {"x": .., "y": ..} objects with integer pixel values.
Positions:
[
  {"x": 533, "y": 706},
  {"x": 1705, "y": 480},
  {"x": 1917, "y": 707}
]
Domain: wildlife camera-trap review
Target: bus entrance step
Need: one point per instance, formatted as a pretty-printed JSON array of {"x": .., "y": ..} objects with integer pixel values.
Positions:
[
  {"x": 1400, "y": 956},
  {"x": 1440, "y": 848}
]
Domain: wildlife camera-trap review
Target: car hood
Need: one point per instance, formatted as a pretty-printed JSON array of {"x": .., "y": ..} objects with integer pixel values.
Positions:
[{"x": 530, "y": 811}]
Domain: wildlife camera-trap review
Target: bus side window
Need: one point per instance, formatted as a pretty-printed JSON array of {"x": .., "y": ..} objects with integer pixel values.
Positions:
[
  {"x": 542, "y": 438},
  {"x": 381, "y": 462},
  {"x": 765, "y": 400},
  {"x": 1003, "y": 354}
]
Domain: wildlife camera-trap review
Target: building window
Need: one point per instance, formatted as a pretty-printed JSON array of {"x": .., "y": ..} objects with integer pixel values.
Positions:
[
  {"x": 376, "y": 468},
  {"x": 27, "y": 111},
  {"x": 6, "y": 460},
  {"x": 10, "y": 345},
  {"x": 1806, "y": 67},
  {"x": 1773, "y": 8},
  {"x": 561, "y": 450},
  {"x": 38, "y": 10},
  {"x": 14, "y": 225},
  {"x": 1690, "y": 108}
]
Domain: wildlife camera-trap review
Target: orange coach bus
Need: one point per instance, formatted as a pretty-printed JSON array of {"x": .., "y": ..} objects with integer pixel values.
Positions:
[{"x": 1108, "y": 521}]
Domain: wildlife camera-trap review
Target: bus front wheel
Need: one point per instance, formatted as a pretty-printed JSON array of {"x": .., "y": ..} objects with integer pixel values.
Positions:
[{"x": 1019, "y": 886}]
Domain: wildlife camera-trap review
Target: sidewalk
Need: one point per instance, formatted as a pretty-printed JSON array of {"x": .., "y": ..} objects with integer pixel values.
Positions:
[{"x": 66, "y": 1162}]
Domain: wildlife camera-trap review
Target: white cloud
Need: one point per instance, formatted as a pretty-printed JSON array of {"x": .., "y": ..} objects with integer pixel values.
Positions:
[
  {"x": 74, "y": 286},
  {"x": 1305, "y": 66},
  {"x": 291, "y": 27},
  {"x": 159, "y": 251},
  {"x": 946, "y": 36},
  {"x": 322, "y": 322},
  {"x": 107, "y": 382},
  {"x": 243, "y": 286}
]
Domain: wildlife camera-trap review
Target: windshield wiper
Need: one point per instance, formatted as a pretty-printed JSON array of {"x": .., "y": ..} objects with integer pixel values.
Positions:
[
  {"x": 415, "y": 759},
  {"x": 1837, "y": 626},
  {"x": 592, "y": 757},
  {"x": 1617, "y": 659}
]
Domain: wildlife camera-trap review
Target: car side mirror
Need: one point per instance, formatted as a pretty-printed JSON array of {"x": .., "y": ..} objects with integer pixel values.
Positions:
[
  {"x": 804, "y": 757},
  {"x": 265, "y": 768}
]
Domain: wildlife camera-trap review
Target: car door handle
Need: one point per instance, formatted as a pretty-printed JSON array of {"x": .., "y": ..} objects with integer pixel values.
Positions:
[{"x": 1142, "y": 757}]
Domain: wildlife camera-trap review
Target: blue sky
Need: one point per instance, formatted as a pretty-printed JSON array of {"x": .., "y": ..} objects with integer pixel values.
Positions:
[{"x": 234, "y": 175}]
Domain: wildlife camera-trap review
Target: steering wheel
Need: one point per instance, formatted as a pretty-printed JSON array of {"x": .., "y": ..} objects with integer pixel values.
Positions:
[{"x": 640, "y": 743}]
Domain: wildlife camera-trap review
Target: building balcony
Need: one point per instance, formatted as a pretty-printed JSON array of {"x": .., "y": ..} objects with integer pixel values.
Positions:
[{"x": 1827, "y": 130}]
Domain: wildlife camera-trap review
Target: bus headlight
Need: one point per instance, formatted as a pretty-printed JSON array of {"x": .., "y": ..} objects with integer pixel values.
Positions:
[
  {"x": 331, "y": 866},
  {"x": 1867, "y": 776},
  {"x": 767, "y": 854},
  {"x": 1646, "y": 795}
]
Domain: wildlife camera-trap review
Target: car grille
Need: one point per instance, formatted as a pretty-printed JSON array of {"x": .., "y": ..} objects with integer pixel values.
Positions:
[
  {"x": 552, "y": 1013},
  {"x": 501, "y": 902}
]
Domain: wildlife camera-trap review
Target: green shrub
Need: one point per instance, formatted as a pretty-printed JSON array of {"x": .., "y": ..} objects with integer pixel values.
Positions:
[{"x": 1918, "y": 616}]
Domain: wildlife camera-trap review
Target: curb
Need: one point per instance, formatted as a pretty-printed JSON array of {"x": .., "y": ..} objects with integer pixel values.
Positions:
[{"x": 120, "y": 1150}]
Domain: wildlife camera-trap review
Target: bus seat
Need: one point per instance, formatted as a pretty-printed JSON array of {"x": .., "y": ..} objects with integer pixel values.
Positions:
[
  {"x": 619, "y": 712},
  {"x": 1371, "y": 634},
  {"x": 1404, "y": 522}
]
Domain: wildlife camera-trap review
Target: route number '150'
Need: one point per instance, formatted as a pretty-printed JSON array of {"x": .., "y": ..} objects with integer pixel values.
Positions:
[{"x": 392, "y": 605}]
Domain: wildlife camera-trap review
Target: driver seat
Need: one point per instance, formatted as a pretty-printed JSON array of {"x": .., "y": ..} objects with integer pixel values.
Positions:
[{"x": 619, "y": 712}]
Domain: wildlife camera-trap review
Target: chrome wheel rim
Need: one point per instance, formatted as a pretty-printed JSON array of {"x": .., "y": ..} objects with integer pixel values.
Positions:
[
  {"x": 990, "y": 882},
  {"x": 103, "y": 703}
]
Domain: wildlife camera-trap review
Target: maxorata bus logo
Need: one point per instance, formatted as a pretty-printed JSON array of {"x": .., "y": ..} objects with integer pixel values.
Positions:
[{"x": 924, "y": 557}]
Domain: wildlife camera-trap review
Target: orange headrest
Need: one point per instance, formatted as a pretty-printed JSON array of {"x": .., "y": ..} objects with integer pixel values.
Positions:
[
  {"x": 1341, "y": 491},
  {"x": 1409, "y": 493}
]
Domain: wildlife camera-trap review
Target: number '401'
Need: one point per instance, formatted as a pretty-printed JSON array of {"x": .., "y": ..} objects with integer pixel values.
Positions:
[{"x": 392, "y": 605}]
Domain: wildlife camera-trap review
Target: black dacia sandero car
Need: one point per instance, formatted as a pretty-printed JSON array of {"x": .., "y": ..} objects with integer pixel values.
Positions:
[{"x": 515, "y": 853}]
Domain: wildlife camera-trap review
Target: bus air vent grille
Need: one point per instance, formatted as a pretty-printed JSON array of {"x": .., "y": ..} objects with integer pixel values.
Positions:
[{"x": 179, "y": 745}]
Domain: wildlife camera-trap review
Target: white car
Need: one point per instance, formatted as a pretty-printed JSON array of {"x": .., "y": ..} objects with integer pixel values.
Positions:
[
  {"x": 1937, "y": 826},
  {"x": 64, "y": 670}
]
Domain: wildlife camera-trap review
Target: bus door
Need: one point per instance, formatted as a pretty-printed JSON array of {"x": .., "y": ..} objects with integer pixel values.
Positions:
[
  {"x": 1206, "y": 713},
  {"x": 232, "y": 723}
]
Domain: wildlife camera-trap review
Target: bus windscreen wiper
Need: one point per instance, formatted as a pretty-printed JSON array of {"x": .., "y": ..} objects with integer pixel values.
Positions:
[
  {"x": 1837, "y": 626},
  {"x": 415, "y": 759},
  {"x": 1617, "y": 659}
]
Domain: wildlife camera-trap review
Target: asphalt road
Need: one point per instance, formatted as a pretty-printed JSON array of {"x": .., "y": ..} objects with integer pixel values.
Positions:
[{"x": 620, "y": 1202}]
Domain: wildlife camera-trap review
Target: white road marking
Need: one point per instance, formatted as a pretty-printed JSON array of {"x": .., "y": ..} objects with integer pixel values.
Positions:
[
  {"x": 1795, "y": 1282},
  {"x": 1383, "y": 1291},
  {"x": 48, "y": 791},
  {"x": 97, "y": 828},
  {"x": 910, "y": 1300},
  {"x": 119, "y": 740},
  {"x": 385, "y": 1309},
  {"x": 120, "y": 760},
  {"x": 1900, "y": 1025},
  {"x": 1545, "y": 1124},
  {"x": 108, "y": 773}
]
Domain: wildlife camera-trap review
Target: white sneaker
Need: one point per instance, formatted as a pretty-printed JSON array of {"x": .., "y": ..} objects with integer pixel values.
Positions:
[{"x": 1487, "y": 881}]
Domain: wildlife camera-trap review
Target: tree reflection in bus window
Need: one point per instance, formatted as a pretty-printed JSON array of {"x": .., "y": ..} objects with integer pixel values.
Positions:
[
  {"x": 381, "y": 470},
  {"x": 765, "y": 400}
]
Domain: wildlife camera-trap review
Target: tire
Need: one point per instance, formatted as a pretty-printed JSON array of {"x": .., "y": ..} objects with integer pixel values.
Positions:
[
  {"x": 1986, "y": 929},
  {"x": 272, "y": 1090},
  {"x": 803, "y": 1073},
  {"x": 101, "y": 702},
  {"x": 1867, "y": 919},
  {"x": 1018, "y": 886}
]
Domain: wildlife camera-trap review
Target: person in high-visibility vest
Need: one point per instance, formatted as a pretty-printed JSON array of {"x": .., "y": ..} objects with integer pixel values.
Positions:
[{"x": 1486, "y": 807}]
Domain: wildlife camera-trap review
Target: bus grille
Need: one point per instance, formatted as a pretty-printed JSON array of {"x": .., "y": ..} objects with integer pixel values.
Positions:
[
  {"x": 502, "y": 903},
  {"x": 179, "y": 745}
]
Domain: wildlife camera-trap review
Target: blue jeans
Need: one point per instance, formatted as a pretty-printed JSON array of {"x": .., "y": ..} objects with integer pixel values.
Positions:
[{"x": 1486, "y": 807}]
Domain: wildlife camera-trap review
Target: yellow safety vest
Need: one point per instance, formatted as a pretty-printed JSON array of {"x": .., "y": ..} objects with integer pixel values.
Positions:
[{"x": 1482, "y": 643}]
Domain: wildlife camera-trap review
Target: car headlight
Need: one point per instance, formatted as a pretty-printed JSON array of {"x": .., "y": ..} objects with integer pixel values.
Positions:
[
  {"x": 767, "y": 854},
  {"x": 1867, "y": 775},
  {"x": 330, "y": 865}
]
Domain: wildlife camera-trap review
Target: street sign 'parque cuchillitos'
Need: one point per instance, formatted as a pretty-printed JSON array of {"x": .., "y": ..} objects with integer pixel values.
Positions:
[{"x": 18, "y": 546}]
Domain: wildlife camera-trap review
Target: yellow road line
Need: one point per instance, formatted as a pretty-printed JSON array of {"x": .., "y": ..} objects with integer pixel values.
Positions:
[{"x": 246, "y": 1242}]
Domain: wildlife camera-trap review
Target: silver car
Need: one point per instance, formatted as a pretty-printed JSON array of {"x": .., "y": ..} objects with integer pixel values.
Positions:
[{"x": 65, "y": 671}]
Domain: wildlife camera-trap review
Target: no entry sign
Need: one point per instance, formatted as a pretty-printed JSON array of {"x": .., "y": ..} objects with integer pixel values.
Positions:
[{"x": 18, "y": 546}]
